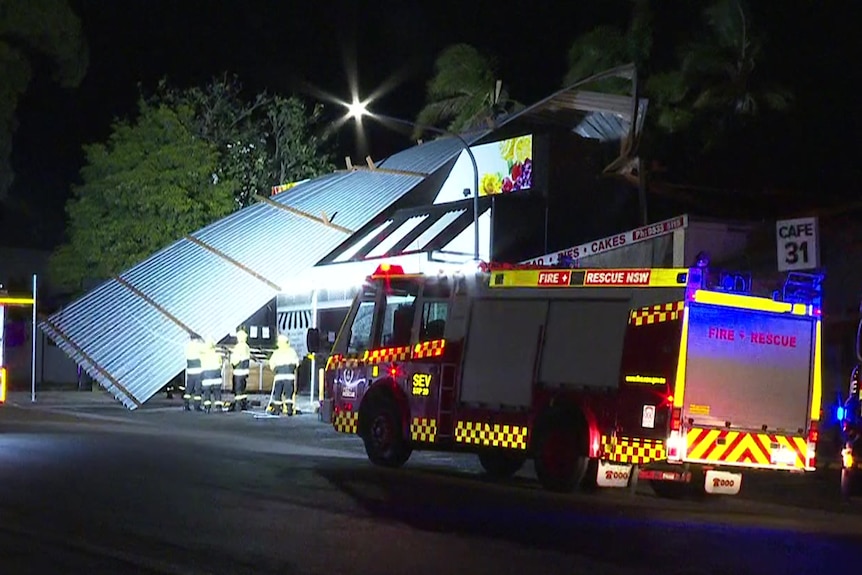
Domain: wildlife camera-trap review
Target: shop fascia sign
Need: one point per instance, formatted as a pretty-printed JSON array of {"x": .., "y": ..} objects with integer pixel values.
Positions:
[{"x": 613, "y": 242}]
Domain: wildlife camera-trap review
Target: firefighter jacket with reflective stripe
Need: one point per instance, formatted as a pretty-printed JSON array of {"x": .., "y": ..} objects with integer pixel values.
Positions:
[
  {"x": 283, "y": 363},
  {"x": 211, "y": 363},
  {"x": 193, "y": 358},
  {"x": 240, "y": 357}
]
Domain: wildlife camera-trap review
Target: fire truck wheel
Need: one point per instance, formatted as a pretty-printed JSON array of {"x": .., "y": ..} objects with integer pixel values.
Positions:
[
  {"x": 501, "y": 464},
  {"x": 559, "y": 458},
  {"x": 384, "y": 437}
]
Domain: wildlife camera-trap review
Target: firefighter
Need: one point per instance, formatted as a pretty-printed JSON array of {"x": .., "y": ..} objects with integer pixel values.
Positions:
[
  {"x": 283, "y": 365},
  {"x": 211, "y": 381},
  {"x": 240, "y": 357},
  {"x": 192, "y": 392}
]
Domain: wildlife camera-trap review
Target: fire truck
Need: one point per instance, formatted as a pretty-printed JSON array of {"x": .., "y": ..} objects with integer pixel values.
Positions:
[{"x": 600, "y": 376}]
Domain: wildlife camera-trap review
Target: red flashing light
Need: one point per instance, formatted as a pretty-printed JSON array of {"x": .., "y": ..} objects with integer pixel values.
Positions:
[
  {"x": 384, "y": 270},
  {"x": 813, "y": 432},
  {"x": 676, "y": 419},
  {"x": 348, "y": 407}
]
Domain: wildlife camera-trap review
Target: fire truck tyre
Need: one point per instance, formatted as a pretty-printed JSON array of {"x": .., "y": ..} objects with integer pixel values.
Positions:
[
  {"x": 384, "y": 437},
  {"x": 559, "y": 458},
  {"x": 849, "y": 483},
  {"x": 501, "y": 464}
]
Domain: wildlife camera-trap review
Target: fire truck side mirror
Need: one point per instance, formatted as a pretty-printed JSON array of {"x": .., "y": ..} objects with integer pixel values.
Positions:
[{"x": 312, "y": 340}]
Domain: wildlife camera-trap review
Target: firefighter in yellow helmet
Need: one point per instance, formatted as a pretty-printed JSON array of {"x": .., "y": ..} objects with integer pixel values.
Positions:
[
  {"x": 194, "y": 347},
  {"x": 240, "y": 358},
  {"x": 211, "y": 380},
  {"x": 283, "y": 364}
]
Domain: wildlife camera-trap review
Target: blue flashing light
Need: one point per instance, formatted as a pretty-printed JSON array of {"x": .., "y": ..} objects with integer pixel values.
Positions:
[{"x": 840, "y": 413}]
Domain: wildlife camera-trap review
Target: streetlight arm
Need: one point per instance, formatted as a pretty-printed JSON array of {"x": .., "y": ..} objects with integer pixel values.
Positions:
[{"x": 466, "y": 147}]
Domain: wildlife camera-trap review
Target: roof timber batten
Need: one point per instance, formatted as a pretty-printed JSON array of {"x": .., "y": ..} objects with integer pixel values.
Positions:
[
  {"x": 101, "y": 370},
  {"x": 300, "y": 213},
  {"x": 233, "y": 262}
]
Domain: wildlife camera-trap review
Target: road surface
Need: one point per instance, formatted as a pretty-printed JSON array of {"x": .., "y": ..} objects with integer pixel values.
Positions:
[{"x": 102, "y": 490}]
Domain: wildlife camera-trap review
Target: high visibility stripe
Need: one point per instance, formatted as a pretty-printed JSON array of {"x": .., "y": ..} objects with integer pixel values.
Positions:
[
  {"x": 632, "y": 449},
  {"x": 423, "y": 429},
  {"x": 421, "y": 350},
  {"x": 493, "y": 435},
  {"x": 283, "y": 377},
  {"x": 657, "y": 314},
  {"x": 749, "y": 449},
  {"x": 346, "y": 421}
]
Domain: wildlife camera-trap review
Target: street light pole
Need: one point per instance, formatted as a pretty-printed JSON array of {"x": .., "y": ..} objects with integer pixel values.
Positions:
[{"x": 464, "y": 145}]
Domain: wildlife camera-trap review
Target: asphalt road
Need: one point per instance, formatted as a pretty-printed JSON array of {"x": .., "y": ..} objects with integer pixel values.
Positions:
[{"x": 100, "y": 490}]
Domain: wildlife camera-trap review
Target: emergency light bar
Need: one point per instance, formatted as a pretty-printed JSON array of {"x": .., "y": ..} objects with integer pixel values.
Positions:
[{"x": 387, "y": 270}]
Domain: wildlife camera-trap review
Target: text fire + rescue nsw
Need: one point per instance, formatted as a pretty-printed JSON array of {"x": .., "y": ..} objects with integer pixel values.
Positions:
[
  {"x": 755, "y": 337},
  {"x": 595, "y": 278}
]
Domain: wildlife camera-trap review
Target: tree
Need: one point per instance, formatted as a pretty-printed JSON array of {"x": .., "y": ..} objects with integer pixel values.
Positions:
[
  {"x": 153, "y": 182},
  {"x": 33, "y": 31},
  {"x": 607, "y": 47},
  {"x": 718, "y": 78},
  {"x": 265, "y": 141},
  {"x": 464, "y": 92}
]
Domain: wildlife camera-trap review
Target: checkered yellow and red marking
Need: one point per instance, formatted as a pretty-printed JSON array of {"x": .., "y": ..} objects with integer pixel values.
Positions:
[
  {"x": 345, "y": 421},
  {"x": 743, "y": 448},
  {"x": 423, "y": 429},
  {"x": 432, "y": 348},
  {"x": 491, "y": 434},
  {"x": 422, "y": 350},
  {"x": 657, "y": 313},
  {"x": 632, "y": 450}
]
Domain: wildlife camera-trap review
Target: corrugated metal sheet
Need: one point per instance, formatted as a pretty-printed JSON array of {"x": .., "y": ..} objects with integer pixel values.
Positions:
[
  {"x": 131, "y": 342},
  {"x": 355, "y": 198},
  {"x": 424, "y": 158},
  {"x": 429, "y": 156},
  {"x": 272, "y": 242},
  {"x": 129, "y": 333}
]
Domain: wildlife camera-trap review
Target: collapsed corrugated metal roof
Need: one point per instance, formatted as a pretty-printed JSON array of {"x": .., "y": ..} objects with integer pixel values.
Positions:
[
  {"x": 129, "y": 333},
  {"x": 434, "y": 154},
  {"x": 600, "y": 115}
]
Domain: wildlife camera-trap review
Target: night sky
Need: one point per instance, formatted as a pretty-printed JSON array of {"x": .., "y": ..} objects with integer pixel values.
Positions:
[{"x": 295, "y": 47}]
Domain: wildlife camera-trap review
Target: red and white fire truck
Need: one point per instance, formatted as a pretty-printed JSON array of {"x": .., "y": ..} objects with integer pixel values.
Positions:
[{"x": 670, "y": 375}]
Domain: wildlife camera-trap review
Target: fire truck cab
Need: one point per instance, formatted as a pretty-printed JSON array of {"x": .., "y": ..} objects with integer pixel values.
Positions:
[{"x": 617, "y": 372}]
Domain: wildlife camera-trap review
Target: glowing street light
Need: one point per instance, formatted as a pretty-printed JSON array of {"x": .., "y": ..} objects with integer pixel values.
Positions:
[{"x": 356, "y": 110}]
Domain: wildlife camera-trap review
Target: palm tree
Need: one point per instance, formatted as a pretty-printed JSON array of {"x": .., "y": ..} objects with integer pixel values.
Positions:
[
  {"x": 607, "y": 47},
  {"x": 722, "y": 71},
  {"x": 464, "y": 92}
]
